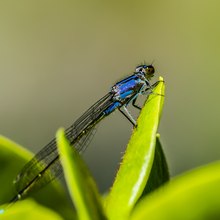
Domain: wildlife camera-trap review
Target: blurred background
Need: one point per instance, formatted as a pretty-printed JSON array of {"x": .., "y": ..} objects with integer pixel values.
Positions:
[{"x": 58, "y": 57}]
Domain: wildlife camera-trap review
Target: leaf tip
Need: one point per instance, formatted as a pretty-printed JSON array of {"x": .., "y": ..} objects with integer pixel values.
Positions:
[
  {"x": 158, "y": 135},
  {"x": 161, "y": 78},
  {"x": 60, "y": 133}
]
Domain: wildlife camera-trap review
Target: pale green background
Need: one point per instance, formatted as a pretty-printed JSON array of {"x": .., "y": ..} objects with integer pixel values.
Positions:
[{"x": 58, "y": 57}]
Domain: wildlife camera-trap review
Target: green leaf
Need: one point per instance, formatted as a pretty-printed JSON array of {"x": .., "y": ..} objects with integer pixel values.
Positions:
[
  {"x": 81, "y": 185},
  {"x": 138, "y": 159},
  {"x": 27, "y": 210},
  {"x": 12, "y": 158},
  {"x": 194, "y": 195},
  {"x": 159, "y": 172}
]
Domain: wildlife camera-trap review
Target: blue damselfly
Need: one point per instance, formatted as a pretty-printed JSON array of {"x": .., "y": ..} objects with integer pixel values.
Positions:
[{"x": 45, "y": 165}]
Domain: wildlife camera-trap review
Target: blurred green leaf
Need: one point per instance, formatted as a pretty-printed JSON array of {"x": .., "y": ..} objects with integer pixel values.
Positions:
[
  {"x": 159, "y": 172},
  {"x": 192, "y": 196},
  {"x": 80, "y": 183},
  {"x": 12, "y": 158},
  {"x": 138, "y": 159},
  {"x": 28, "y": 209}
]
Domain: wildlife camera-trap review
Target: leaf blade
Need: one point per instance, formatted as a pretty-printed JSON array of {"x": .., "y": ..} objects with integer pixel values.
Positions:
[
  {"x": 12, "y": 158},
  {"x": 159, "y": 173},
  {"x": 81, "y": 185},
  {"x": 138, "y": 159},
  {"x": 28, "y": 209},
  {"x": 193, "y": 196}
]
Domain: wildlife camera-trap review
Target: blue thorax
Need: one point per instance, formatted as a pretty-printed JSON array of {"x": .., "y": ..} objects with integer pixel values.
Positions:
[{"x": 125, "y": 90}]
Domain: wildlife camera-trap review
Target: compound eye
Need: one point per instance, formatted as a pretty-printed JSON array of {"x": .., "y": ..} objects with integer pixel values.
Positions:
[{"x": 150, "y": 69}]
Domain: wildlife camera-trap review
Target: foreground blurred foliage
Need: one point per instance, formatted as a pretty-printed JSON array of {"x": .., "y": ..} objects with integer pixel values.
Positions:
[{"x": 141, "y": 189}]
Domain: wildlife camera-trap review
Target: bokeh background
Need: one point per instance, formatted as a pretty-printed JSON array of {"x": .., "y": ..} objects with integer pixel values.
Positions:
[{"x": 58, "y": 57}]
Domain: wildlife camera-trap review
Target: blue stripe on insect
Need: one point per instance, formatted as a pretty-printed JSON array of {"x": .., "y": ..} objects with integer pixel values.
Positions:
[{"x": 112, "y": 108}]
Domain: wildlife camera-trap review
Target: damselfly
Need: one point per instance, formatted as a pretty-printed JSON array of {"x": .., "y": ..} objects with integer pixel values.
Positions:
[{"x": 45, "y": 165}]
